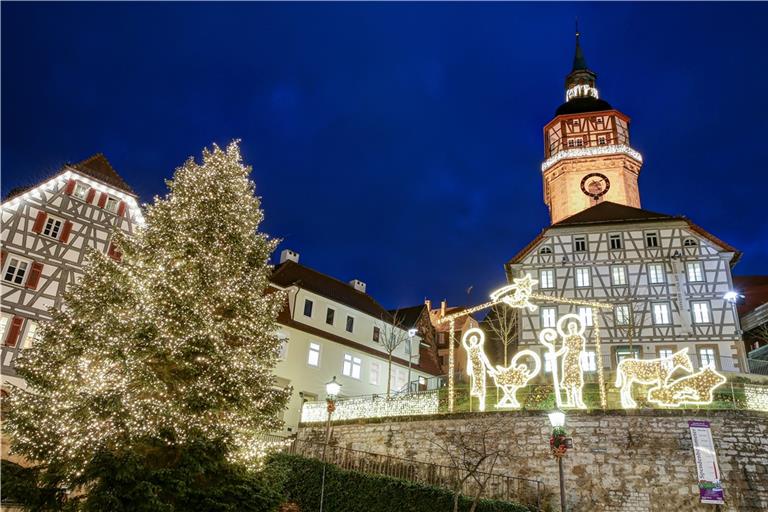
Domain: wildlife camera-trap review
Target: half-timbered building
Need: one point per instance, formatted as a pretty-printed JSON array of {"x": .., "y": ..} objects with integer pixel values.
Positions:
[
  {"x": 665, "y": 276},
  {"x": 46, "y": 232}
]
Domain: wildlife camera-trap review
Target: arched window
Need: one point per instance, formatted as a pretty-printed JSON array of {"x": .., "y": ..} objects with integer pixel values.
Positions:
[
  {"x": 690, "y": 242},
  {"x": 545, "y": 250}
]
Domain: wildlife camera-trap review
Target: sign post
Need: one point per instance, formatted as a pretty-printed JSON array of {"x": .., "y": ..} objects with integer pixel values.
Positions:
[{"x": 710, "y": 486}]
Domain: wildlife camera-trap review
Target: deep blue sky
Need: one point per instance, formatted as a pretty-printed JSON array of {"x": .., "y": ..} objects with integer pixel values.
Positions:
[{"x": 397, "y": 143}]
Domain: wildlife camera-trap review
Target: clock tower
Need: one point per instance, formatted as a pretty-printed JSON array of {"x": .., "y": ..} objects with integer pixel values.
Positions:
[{"x": 588, "y": 158}]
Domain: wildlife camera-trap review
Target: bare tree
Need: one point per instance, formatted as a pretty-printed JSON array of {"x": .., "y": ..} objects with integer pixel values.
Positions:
[
  {"x": 502, "y": 323},
  {"x": 391, "y": 336},
  {"x": 473, "y": 452}
]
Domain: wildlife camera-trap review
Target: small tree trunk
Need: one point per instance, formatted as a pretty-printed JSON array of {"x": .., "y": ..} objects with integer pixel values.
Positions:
[{"x": 389, "y": 373}]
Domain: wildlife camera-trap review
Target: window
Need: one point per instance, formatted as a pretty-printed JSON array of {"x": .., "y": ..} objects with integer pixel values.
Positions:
[
  {"x": 329, "y": 316},
  {"x": 623, "y": 353},
  {"x": 582, "y": 277},
  {"x": 695, "y": 271},
  {"x": 661, "y": 313},
  {"x": 400, "y": 378},
  {"x": 689, "y": 242},
  {"x": 350, "y": 324},
  {"x": 308, "y": 308},
  {"x": 545, "y": 250},
  {"x": 579, "y": 143},
  {"x": 52, "y": 227},
  {"x": 441, "y": 339},
  {"x": 665, "y": 353},
  {"x": 314, "y": 355},
  {"x": 4, "y": 319},
  {"x": 618, "y": 275},
  {"x": 571, "y": 143},
  {"x": 651, "y": 239},
  {"x": 580, "y": 244},
  {"x": 376, "y": 334},
  {"x": 588, "y": 362},
  {"x": 655, "y": 273},
  {"x": 621, "y": 314},
  {"x": 548, "y": 316},
  {"x": 30, "y": 338},
  {"x": 81, "y": 191},
  {"x": 282, "y": 351},
  {"x": 707, "y": 358},
  {"x": 375, "y": 375},
  {"x": 601, "y": 140},
  {"x": 615, "y": 241},
  {"x": 352, "y": 366},
  {"x": 15, "y": 271},
  {"x": 547, "y": 362},
  {"x": 547, "y": 278},
  {"x": 585, "y": 312},
  {"x": 701, "y": 312},
  {"x": 111, "y": 205}
]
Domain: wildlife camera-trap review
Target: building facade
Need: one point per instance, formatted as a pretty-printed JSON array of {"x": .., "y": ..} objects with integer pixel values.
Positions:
[
  {"x": 335, "y": 329},
  {"x": 664, "y": 276},
  {"x": 46, "y": 232}
]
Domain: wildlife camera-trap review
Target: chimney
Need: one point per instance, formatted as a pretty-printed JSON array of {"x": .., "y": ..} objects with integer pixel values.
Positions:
[
  {"x": 289, "y": 255},
  {"x": 428, "y": 303},
  {"x": 443, "y": 305},
  {"x": 358, "y": 285}
]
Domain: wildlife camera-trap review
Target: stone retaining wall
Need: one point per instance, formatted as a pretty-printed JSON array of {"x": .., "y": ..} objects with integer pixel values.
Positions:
[{"x": 622, "y": 460}]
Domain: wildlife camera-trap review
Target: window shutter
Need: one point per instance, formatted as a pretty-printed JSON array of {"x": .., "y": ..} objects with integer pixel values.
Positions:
[
  {"x": 13, "y": 333},
  {"x": 114, "y": 253},
  {"x": 3, "y": 255},
  {"x": 121, "y": 209},
  {"x": 65, "y": 230},
  {"x": 39, "y": 222},
  {"x": 90, "y": 196},
  {"x": 34, "y": 275},
  {"x": 103, "y": 200},
  {"x": 70, "y": 187}
]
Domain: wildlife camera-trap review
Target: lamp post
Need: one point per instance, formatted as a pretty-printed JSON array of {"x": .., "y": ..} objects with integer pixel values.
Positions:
[
  {"x": 559, "y": 442},
  {"x": 332, "y": 389},
  {"x": 411, "y": 334}
]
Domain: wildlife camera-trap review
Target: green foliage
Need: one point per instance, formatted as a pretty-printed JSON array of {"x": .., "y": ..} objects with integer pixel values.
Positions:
[
  {"x": 26, "y": 487},
  {"x": 352, "y": 491}
]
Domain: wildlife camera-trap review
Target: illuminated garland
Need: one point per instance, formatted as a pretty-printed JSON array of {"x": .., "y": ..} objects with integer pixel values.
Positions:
[
  {"x": 377, "y": 406},
  {"x": 608, "y": 149}
]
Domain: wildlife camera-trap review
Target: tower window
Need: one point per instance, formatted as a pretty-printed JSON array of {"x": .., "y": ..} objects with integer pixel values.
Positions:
[
  {"x": 602, "y": 140},
  {"x": 571, "y": 143},
  {"x": 579, "y": 143}
]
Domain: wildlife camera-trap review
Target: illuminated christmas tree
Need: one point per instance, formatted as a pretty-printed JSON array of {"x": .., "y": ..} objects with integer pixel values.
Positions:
[{"x": 175, "y": 341}]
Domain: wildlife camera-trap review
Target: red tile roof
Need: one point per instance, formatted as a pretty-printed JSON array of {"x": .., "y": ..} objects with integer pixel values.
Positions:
[{"x": 755, "y": 290}]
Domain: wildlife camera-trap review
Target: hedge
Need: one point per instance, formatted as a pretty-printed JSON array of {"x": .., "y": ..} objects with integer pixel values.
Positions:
[{"x": 351, "y": 491}]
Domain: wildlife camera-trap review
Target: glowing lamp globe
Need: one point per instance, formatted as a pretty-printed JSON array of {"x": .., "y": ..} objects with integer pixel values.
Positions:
[
  {"x": 411, "y": 332},
  {"x": 557, "y": 418},
  {"x": 332, "y": 388}
]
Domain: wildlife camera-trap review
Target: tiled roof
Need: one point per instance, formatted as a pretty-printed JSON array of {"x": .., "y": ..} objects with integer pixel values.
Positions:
[
  {"x": 99, "y": 167},
  {"x": 755, "y": 290},
  {"x": 613, "y": 213},
  {"x": 408, "y": 317},
  {"x": 291, "y": 273}
]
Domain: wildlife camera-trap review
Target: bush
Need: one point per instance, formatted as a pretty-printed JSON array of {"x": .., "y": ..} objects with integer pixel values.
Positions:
[
  {"x": 351, "y": 491},
  {"x": 25, "y": 487}
]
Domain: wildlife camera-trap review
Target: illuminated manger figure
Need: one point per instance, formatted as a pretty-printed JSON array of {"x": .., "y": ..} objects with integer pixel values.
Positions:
[
  {"x": 696, "y": 389},
  {"x": 514, "y": 377},
  {"x": 477, "y": 363},
  {"x": 649, "y": 371},
  {"x": 571, "y": 350}
]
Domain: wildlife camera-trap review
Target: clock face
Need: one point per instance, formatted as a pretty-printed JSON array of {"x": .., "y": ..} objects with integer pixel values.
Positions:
[{"x": 595, "y": 185}]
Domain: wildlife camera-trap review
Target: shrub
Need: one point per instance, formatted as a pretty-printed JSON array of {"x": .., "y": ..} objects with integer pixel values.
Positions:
[{"x": 351, "y": 491}]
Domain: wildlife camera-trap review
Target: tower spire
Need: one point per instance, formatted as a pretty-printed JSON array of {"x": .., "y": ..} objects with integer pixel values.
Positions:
[{"x": 579, "y": 62}]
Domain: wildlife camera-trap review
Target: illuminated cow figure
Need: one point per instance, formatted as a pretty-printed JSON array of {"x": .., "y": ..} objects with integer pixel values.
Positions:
[{"x": 648, "y": 371}]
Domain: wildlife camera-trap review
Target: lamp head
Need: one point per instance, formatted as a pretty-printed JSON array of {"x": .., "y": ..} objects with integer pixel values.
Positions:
[
  {"x": 411, "y": 332},
  {"x": 332, "y": 388},
  {"x": 557, "y": 418}
]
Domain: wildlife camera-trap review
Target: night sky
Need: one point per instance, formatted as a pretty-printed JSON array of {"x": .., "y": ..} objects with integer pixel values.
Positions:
[{"x": 396, "y": 143}]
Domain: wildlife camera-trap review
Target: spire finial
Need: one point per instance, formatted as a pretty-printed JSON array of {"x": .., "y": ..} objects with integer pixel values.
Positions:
[{"x": 579, "y": 62}]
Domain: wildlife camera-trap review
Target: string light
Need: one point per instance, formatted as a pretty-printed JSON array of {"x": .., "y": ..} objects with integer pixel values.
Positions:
[
  {"x": 572, "y": 350},
  {"x": 608, "y": 149},
  {"x": 756, "y": 397},
  {"x": 376, "y": 406},
  {"x": 514, "y": 377},
  {"x": 648, "y": 371},
  {"x": 696, "y": 389},
  {"x": 477, "y": 363}
]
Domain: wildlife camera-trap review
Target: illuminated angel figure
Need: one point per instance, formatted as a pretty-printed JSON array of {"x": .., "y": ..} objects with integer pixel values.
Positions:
[
  {"x": 573, "y": 343},
  {"x": 516, "y": 295},
  {"x": 477, "y": 363},
  {"x": 691, "y": 389},
  {"x": 514, "y": 377}
]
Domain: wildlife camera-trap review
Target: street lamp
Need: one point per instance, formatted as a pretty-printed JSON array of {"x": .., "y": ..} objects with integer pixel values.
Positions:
[
  {"x": 332, "y": 389},
  {"x": 559, "y": 443},
  {"x": 411, "y": 334}
]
